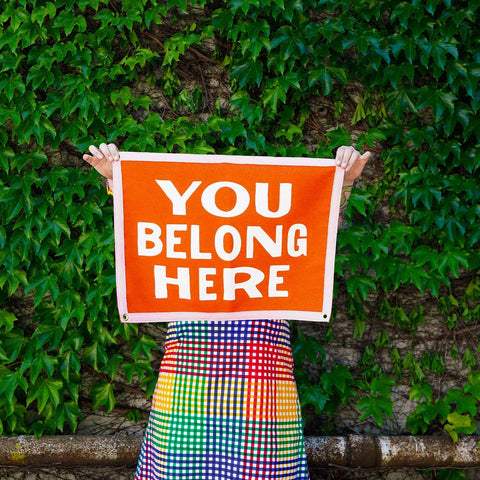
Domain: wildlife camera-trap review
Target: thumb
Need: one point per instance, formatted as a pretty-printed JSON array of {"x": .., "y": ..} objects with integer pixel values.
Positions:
[
  {"x": 365, "y": 156},
  {"x": 89, "y": 159},
  {"x": 363, "y": 159}
]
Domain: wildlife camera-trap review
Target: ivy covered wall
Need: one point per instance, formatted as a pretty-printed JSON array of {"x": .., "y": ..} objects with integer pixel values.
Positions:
[{"x": 270, "y": 77}]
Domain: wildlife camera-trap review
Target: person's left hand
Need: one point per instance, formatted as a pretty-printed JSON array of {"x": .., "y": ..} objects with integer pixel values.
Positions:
[
  {"x": 101, "y": 158},
  {"x": 352, "y": 162}
]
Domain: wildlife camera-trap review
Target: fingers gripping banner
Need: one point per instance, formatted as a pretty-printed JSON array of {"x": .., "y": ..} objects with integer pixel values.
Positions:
[{"x": 211, "y": 237}]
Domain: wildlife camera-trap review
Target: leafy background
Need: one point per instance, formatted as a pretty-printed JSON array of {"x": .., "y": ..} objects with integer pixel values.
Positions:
[{"x": 270, "y": 77}]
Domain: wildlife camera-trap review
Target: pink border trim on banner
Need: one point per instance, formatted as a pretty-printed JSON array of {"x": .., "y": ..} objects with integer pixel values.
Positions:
[
  {"x": 119, "y": 241},
  {"x": 139, "y": 317}
]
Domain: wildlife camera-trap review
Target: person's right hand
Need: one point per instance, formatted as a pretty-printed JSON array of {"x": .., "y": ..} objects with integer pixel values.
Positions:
[{"x": 101, "y": 158}]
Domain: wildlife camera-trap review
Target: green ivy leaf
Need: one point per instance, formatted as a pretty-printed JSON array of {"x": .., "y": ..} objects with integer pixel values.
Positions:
[
  {"x": 45, "y": 391},
  {"x": 103, "y": 396},
  {"x": 419, "y": 391},
  {"x": 273, "y": 95},
  {"x": 70, "y": 412},
  {"x": 7, "y": 320},
  {"x": 248, "y": 73},
  {"x": 180, "y": 4},
  {"x": 473, "y": 384},
  {"x": 439, "y": 101},
  {"x": 339, "y": 378},
  {"x": 377, "y": 407},
  {"x": 143, "y": 346},
  {"x": 459, "y": 424},
  {"x": 463, "y": 403},
  {"x": 313, "y": 395}
]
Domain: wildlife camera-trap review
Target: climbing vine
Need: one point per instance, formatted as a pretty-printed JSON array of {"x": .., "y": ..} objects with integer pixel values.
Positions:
[{"x": 277, "y": 77}]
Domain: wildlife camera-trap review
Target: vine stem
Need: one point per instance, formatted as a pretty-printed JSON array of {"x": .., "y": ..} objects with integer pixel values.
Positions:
[{"x": 116, "y": 383}]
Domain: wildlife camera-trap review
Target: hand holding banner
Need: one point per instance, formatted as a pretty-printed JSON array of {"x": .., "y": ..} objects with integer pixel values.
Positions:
[{"x": 224, "y": 237}]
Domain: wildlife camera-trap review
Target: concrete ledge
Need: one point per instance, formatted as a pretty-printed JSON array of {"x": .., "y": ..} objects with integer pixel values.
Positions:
[
  {"x": 370, "y": 451},
  {"x": 81, "y": 450},
  {"x": 352, "y": 451}
]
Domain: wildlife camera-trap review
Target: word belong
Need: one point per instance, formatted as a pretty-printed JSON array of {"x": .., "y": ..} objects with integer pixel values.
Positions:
[{"x": 183, "y": 246}]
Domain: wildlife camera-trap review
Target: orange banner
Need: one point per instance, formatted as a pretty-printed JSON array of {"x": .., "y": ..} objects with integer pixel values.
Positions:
[{"x": 224, "y": 237}]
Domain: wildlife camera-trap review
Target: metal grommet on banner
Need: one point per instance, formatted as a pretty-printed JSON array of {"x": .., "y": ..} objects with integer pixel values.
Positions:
[{"x": 125, "y": 317}]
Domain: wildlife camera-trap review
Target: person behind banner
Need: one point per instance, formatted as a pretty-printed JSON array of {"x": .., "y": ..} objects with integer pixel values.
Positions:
[{"x": 226, "y": 405}]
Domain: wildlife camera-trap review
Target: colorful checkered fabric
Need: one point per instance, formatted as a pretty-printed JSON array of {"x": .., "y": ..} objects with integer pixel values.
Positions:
[{"x": 225, "y": 406}]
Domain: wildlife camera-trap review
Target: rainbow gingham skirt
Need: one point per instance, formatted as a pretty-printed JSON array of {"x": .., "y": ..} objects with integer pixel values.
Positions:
[{"x": 225, "y": 406}]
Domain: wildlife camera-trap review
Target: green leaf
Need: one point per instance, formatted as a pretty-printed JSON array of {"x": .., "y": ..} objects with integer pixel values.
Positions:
[
  {"x": 103, "y": 396},
  {"x": 113, "y": 364},
  {"x": 469, "y": 359},
  {"x": 70, "y": 363},
  {"x": 377, "y": 407},
  {"x": 322, "y": 76},
  {"x": 459, "y": 424},
  {"x": 273, "y": 95},
  {"x": 419, "y": 391},
  {"x": 438, "y": 100},
  {"x": 248, "y": 73},
  {"x": 473, "y": 384},
  {"x": 11, "y": 381},
  {"x": 45, "y": 391},
  {"x": 313, "y": 395},
  {"x": 143, "y": 346},
  {"x": 96, "y": 355},
  {"x": 339, "y": 378},
  {"x": 232, "y": 130},
  {"x": 7, "y": 320},
  {"x": 451, "y": 474},
  {"x": 58, "y": 227},
  {"x": 463, "y": 403},
  {"x": 400, "y": 102},
  {"x": 361, "y": 284},
  {"x": 307, "y": 347},
  {"x": 142, "y": 368},
  {"x": 70, "y": 412},
  {"x": 382, "y": 385},
  {"x": 42, "y": 363},
  {"x": 180, "y": 4}
]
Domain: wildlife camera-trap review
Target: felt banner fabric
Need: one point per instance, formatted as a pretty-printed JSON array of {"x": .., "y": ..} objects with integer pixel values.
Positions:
[{"x": 212, "y": 237}]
